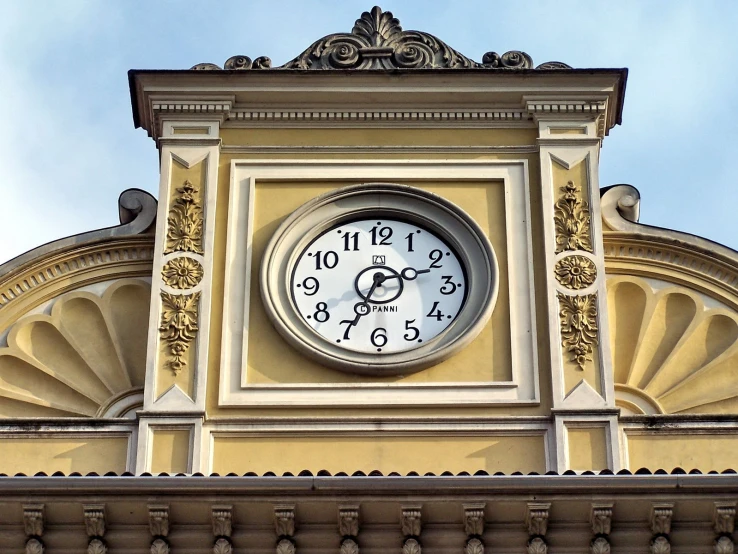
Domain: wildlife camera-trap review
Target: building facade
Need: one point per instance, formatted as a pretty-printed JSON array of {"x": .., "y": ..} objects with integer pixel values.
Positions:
[{"x": 382, "y": 302}]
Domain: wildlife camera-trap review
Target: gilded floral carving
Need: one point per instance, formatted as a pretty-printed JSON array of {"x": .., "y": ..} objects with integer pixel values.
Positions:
[
  {"x": 572, "y": 220},
  {"x": 575, "y": 272},
  {"x": 182, "y": 273},
  {"x": 178, "y": 325},
  {"x": 578, "y": 318},
  {"x": 185, "y": 221}
]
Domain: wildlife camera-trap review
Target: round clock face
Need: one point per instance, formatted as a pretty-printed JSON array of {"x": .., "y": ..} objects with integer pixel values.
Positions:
[
  {"x": 379, "y": 279},
  {"x": 378, "y": 286}
]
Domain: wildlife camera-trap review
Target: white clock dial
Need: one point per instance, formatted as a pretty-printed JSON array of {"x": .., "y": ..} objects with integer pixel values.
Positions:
[{"x": 378, "y": 286}]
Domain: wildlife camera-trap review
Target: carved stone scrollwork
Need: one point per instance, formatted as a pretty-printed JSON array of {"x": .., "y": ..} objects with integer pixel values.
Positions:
[
  {"x": 514, "y": 59},
  {"x": 348, "y": 528},
  {"x": 474, "y": 528},
  {"x": 159, "y": 528},
  {"x": 244, "y": 62},
  {"x": 221, "y": 517},
  {"x": 661, "y": 527},
  {"x": 572, "y": 220},
  {"x": 553, "y": 65},
  {"x": 185, "y": 221},
  {"x": 182, "y": 273},
  {"x": 33, "y": 524},
  {"x": 95, "y": 527},
  {"x": 284, "y": 525},
  {"x": 601, "y": 519},
  {"x": 575, "y": 272},
  {"x": 578, "y": 318},
  {"x": 411, "y": 524},
  {"x": 724, "y": 525},
  {"x": 178, "y": 326},
  {"x": 537, "y": 522}
]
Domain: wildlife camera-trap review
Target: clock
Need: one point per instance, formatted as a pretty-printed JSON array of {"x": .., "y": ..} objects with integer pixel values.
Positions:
[{"x": 379, "y": 279}]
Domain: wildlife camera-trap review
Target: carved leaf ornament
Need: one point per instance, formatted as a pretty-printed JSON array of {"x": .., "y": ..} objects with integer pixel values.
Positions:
[
  {"x": 185, "y": 220},
  {"x": 575, "y": 272},
  {"x": 572, "y": 221},
  {"x": 578, "y": 315},
  {"x": 178, "y": 325},
  {"x": 377, "y": 41}
]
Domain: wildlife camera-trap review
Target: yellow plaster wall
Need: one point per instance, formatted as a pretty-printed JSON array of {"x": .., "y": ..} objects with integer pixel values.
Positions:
[
  {"x": 68, "y": 455},
  {"x": 587, "y": 448},
  {"x": 232, "y": 137},
  {"x": 386, "y": 454},
  {"x": 170, "y": 450},
  {"x": 688, "y": 451},
  {"x": 488, "y": 358}
]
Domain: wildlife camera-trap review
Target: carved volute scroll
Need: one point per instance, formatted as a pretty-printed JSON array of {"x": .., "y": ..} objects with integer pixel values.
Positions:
[
  {"x": 411, "y": 524},
  {"x": 159, "y": 528},
  {"x": 284, "y": 525},
  {"x": 601, "y": 518},
  {"x": 537, "y": 522},
  {"x": 578, "y": 318},
  {"x": 221, "y": 517},
  {"x": 474, "y": 528},
  {"x": 95, "y": 526},
  {"x": 661, "y": 527},
  {"x": 348, "y": 528},
  {"x": 33, "y": 524},
  {"x": 724, "y": 525},
  {"x": 378, "y": 41}
]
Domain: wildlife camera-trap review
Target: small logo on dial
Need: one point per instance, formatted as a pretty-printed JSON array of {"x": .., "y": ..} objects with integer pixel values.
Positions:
[{"x": 378, "y": 260}]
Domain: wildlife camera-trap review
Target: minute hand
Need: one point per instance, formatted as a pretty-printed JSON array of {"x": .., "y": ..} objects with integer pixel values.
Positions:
[{"x": 409, "y": 274}]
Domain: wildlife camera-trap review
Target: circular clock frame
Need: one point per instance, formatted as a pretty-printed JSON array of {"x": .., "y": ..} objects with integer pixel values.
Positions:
[{"x": 389, "y": 201}]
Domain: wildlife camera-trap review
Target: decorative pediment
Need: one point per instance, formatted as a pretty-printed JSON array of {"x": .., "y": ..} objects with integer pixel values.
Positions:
[{"x": 378, "y": 41}]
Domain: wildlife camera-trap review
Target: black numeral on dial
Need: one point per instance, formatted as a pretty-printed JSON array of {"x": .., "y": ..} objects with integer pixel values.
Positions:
[
  {"x": 350, "y": 241},
  {"x": 379, "y": 337},
  {"x": 436, "y": 256},
  {"x": 414, "y": 331},
  {"x": 321, "y": 314},
  {"x": 383, "y": 233},
  {"x": 447, "y": 282},
  {"x": 311, "y": 286},
  {"x": 329, "y": 260},
  {"x": 435, "y": 312}
]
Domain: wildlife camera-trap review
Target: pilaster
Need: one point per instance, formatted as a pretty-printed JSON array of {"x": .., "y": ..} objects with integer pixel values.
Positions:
[
  {"x": 177, "y": 354},
  {"x": 585, "y": 418}
]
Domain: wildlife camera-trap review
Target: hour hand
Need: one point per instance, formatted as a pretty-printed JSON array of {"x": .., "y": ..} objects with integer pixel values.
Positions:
[{"x": 410, "y": 273}]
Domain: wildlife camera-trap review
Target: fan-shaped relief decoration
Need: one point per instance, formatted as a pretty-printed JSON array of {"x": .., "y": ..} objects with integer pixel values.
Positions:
[
  {"x": 377, "y": 41},
  {"x": 572, "y": 220},
  {"x": 578, "y": 318},
  {"x": 672, "y": 351},
  {"x": 185, "y": 221},
  {"x": 85, "y": 359}
]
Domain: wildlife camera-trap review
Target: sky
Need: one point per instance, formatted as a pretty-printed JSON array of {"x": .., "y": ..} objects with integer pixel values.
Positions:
[{"x": 69, "y": 148}]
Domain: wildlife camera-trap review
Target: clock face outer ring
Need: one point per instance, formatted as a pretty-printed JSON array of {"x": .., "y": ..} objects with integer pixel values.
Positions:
[{"x": 390, "y": 201}]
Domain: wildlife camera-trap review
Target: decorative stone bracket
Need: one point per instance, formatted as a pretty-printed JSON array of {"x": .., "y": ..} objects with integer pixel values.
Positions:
[
  {"x": 601, "y": 519},
  {"x": 33, "y": 523},
  {"x": 95, "y": 527},
  {"x": 159, "y": 528},
  {"x": 724, "y": 525},
  {"x": 222, "y": 528},
  {"x": 284, "y": 525},
  {"x": 411, "y": 524},
  {"x": 661, "y": 527},
  {"x": 474, "y": 528},
  {"x": 537, "y": 523},
  {"x": 348, "y": 528}
]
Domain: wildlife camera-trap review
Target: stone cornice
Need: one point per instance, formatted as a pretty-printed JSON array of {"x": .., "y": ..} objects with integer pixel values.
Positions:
[{"x": 637, "y": 249}]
